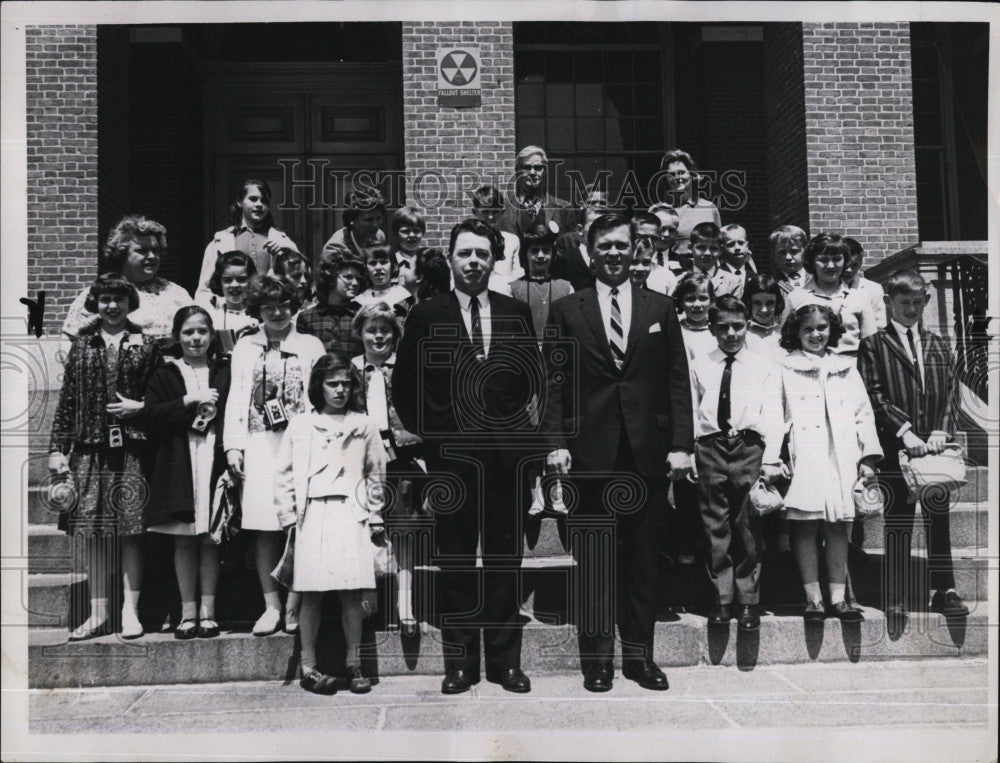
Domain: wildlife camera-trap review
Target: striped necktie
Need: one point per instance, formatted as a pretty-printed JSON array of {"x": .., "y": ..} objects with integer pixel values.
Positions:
[{"x": 617, "y": 338}]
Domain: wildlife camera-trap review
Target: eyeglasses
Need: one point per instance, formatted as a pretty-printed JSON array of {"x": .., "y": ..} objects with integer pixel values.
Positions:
[
  {"x": 277, "y": 308},
  {"x": 678, "y": 174},
  {"x": 534, "y": 168}
]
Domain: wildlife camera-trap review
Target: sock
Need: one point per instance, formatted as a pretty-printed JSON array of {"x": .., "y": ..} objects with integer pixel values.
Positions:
[
  {"x": 813, "y": 593},
  {"x": 188, "y": 610},
  {"x": 207, "y": 607},
  {"x": 272, "y": 600},
  {"x": 837, "y": 592},
  {"x": 130, "y": 603},
  {"x": 98, "y": 610}
]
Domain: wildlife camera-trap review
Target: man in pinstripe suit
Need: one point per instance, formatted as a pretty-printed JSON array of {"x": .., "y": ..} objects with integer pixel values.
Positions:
[{"x": 910, "y": 376}]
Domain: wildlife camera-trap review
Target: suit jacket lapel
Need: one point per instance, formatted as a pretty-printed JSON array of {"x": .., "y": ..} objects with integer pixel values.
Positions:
[
  {"x": 454, "y": 313},
  {"x": 592, "y": 315},
  {"x": 895, "y": 345},
  {"x": 640, "y": 305}
]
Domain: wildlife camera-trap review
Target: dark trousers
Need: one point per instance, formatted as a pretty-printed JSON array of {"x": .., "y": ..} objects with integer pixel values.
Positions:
[
  {"x": 727, "y": 468},
  {"x": 935, "y": 503},
  {"x": 614, "y": 535},
  {"x": 487, "y": 511}
]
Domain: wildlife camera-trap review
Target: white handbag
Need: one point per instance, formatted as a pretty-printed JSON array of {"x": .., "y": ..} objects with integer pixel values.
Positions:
[
  {"x": 765, "y": 499},
  {"x": 945, "y": 469},
  {"x": 869, "y": 500}
]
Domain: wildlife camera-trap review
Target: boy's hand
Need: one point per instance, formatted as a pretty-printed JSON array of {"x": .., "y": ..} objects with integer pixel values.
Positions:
[
  {"x": 914, "y": 445},
  {"x": 559, "y": 462},
  {"x": 58, "y": 463},
  {"x": 936, "y": 442},
  {"x": 234, "y": 461},
  {"x": 272, "y": 247}
]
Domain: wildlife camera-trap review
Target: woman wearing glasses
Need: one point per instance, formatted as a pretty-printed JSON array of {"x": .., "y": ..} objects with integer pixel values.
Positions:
[
  {"x": 268, "y": 372},
  {"x": 683, "y": 182}
]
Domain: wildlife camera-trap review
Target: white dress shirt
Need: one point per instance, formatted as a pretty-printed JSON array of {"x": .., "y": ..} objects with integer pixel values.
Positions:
[
  {"x": 465, "y": 302},
  {"x": 624, "y": 305},
  {"x": 755, "y": 397}
]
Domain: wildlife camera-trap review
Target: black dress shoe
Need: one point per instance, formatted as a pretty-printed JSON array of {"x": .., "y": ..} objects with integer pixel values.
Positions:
[
  {"x": 720, "y": 615},
  {"x": 458, "y": 681},
  {"x": 895, "y": 611},
  {"x": 318, "y": 683},
  {"x": 949, "y": 604},
  {"x": 814, "y": 611},
  {"x": 646, "y": 674},
  {"x": 749, "y": 619},
  {"x": 846, "y": 613},
  {"x": 599, "y": 678},
  {"x": 511, "y": 679}
]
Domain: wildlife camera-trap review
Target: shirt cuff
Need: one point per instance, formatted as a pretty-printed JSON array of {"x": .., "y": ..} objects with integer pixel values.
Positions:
[{"x": 904, "y": 429}]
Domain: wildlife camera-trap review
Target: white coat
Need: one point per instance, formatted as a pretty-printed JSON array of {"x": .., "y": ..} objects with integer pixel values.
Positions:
[
  {"x": 825, "y": 399},
  {"x": 359, "y": 460}
]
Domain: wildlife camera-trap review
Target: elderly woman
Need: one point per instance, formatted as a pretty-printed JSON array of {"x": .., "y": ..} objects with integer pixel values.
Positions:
[
  {"x": 532, "y": 203},
  {"x": 251, "y": 231},
  {"x": 682, "y": 178},
  {"x": 134, "y": 249},
  {"x": 363, "y": 220}
]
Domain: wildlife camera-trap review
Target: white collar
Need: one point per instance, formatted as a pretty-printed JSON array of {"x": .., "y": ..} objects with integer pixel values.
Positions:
[
  {"x": 465, "y": 301},
  {"x": 901, "y": 329},
  {"x": 718, "y": 356},
  {"x": 603, "y": 290}
]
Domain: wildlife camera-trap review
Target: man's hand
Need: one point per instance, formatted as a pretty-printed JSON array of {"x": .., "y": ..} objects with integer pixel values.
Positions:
[
  {"x": 125, "y": 408},
  {"x": 559, "y": 462},
  {"x": 914, "y": 445},
  {"x": 234, "y": 460},
  {"x": 678, "y": 465},
  {"x": 771, "y": 473},
  {"x": 58, "y": 463}
]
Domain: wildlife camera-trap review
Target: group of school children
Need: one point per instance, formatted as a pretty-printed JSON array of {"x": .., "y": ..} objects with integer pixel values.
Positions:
[{"x": 803, "y": 381}]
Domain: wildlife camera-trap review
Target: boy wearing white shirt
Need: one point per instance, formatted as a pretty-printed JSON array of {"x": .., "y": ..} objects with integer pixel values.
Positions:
[{"x": 738, "y": 423}]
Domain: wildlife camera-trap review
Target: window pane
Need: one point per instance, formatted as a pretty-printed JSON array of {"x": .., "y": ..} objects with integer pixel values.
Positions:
[
  {"x": 530, "y": 131},
  {"x": 621, "y": 101},
  {"x": 559, "y": 67},
  {"x": 560, "y": 136},
  {"x": 618, "y": 134},
  {"x": 590, "y": 134},
  {"x": 648, "y": 100},
  {"x": 530, "y": 63},
  {"x": 648, "y": 134},
  {"x": 617, "y": 66},
  {"x": 559, "y": 101},
  {"x": 589, "y": 67},
  {"x": 589, "y": 100},
  {"x": 647, "y": 65},
  {"x": 530, "y": 99}
]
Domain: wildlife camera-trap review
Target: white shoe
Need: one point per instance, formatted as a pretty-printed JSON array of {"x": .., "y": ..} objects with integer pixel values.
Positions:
[
  {"x": 291, "y": 621},
  {"x": 267, "y": 623},
  {"x": 536, "y": 509}
]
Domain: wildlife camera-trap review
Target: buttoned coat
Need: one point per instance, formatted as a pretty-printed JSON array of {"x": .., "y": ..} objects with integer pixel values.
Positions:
[
  {"x": 359, "y": 460},
  {"x": 825, "y": 398}
]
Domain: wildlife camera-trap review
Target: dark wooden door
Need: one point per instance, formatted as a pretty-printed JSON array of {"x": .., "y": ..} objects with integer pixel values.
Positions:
[{"x": 307, "y": 131}]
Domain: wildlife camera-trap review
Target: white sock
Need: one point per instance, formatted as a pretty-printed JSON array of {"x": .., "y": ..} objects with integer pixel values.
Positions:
[
  {"x": 207, "y": 607},
  {"x": 273, "y": 601},
  {"x": 813, "y": 592},
  {"x": 188, "y": 610},
  {"x": 837, "y": 592}
]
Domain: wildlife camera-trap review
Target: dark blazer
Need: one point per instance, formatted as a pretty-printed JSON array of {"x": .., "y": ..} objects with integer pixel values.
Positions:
[
  {"x": 568, "y": 263},
  {"x": 436, "y": 362},
  {"x": 516, "y": 219},
  {"x": 587, "y": 407},
  {"x": 892, "y": 379},
  {"x": 168, "y": 421}
]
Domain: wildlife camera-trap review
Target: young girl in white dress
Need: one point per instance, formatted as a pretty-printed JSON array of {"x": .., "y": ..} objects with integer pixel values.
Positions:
[
  {"x": 328, "y": 488},
  {"x": 184, "y": 404},
  {"x": 833, "y": 445}
]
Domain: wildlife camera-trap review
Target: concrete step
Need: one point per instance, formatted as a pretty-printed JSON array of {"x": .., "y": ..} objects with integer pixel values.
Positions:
[
  {"x": 53, "y": 600},
  {"x": 968, "y": 524},
  {"x": 238, "y": 656}
]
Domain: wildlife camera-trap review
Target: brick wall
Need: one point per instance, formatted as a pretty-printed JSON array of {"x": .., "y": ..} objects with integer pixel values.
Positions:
[
  {"x": 478, "y": 140},
  {"x": 859, "y": 133},
  {"x": 787, "y": 176},
  {"x": 61, "y": 84}
]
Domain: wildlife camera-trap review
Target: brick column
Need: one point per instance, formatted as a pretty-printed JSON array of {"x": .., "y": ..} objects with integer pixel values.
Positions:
[
  {"x": 61, "y": 84},
  {"x": 465, "y": 146},
  {"x": 858, "y": 98}
]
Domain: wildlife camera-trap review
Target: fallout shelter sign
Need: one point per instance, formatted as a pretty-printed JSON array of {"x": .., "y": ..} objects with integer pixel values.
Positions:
[{"x": 459, "y": 81}]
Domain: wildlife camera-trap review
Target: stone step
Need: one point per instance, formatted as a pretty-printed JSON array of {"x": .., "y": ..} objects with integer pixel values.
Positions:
[
  {"x": 238, "y": 656},
  {"x": 52, "y": 600},
  {"x": 968, "y": 524}
]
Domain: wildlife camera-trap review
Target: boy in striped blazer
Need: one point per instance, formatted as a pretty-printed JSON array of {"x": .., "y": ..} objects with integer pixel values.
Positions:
[{"x": 910, "y": 376}]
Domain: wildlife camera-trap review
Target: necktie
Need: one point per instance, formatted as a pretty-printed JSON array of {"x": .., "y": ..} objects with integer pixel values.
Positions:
[
  {"x": 617, "y": 338},
  {"x": 477, "y": 329},
  {"x": 916, "y": 358},
  {"x": 724, "y": 401}
]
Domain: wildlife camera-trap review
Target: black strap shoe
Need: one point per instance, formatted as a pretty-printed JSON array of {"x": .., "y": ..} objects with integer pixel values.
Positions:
[
  {"x": 749, "y": 619},
  {"x": 318, "y": 683},
  {"x": 949, "y": 604},
  {"x": 646, "y": 674},
  {"x": 845, "y": 612},
  {"x": 599, "y": 678},
  {"x": 511, "y": 679},
  {"x": 458, "y": 681}
]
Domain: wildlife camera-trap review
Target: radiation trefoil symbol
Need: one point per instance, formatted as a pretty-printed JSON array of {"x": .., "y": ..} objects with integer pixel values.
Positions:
[{"x": 458, "y": 68}]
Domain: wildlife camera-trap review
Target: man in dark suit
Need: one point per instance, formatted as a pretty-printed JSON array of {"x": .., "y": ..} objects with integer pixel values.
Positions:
[
  {"x": 618, "y": 417},
  {"x": 531, "y": 203},
  {"x": 910, "y": 376},
  {"x": 467, "y": 370}
]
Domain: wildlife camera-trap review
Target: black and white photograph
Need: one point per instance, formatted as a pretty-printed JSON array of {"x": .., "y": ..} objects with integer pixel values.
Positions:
[{"x": 462, "y": 381}]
